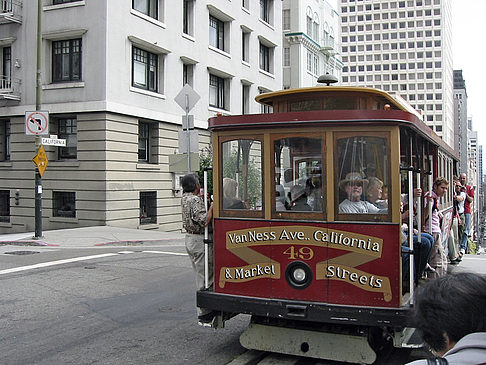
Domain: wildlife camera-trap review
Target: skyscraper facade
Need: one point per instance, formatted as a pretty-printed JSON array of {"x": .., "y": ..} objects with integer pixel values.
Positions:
[
  {"x": 460, "y": 120},
  {"x": 403, "y": 47}
]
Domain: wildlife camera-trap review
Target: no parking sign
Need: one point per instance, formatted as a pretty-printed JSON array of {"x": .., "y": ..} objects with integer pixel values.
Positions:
[{"x": 37, "y": 122}]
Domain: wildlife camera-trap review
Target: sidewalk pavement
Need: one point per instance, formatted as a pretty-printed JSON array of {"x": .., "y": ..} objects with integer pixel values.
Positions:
[{"x": 95, "y": 236}]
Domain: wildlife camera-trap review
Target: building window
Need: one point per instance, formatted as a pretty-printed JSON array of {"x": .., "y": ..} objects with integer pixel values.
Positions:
[
  {"x": 188, "y": 17},
  {"x": 245, "y": 99},
  {"x": 265, "y": 10},
  {"x": 286, "y": 56},
  {"x": 66, "y": 60},
  {"x": 188, "y": 74},
  {"x": 216, "y": 33},
  {"x": 147, "y": 7},
  {"x": 68, "y": 130},
  {"x": 286, "y": 19},
  {"x": 56, "y": 2},
  {"x": 309, "y": 22},
  {"x": 5, "y": 140},
  {"x": 143, "y": 142},
  {"x": 264, "y": 109},
  {"x": 148, "y": 136},
  {"x": 148, "y": 207},
  {"x": 145, "y": 67},
  {"x": 64, "y": 204},
  {"x": 264, "y": 57},
  {"x": 216, "y": 91},
  {"x": 316, "y": 65},
  {"x": 4, "y": 206},
  {"x": 6, "y": 67},
  {"x": 245, "y": 4},
  {"x": 245, "y": 46}
]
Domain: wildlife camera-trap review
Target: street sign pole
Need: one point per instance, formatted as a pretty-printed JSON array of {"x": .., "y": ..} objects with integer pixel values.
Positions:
[
  {"x": 38, "y": 178},
  {"x": 186, "y": 99},
  {"x": 188, "y": 136}
]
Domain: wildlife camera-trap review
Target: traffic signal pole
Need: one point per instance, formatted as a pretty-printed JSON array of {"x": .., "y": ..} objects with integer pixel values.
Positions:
[{"x": 38, "y": 179}]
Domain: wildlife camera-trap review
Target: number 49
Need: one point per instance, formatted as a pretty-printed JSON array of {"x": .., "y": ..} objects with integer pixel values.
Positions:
[{"x": 303, "y": 253}]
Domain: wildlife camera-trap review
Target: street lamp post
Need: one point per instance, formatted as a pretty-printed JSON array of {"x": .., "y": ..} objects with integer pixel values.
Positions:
[{"x": 38, "y": 178}]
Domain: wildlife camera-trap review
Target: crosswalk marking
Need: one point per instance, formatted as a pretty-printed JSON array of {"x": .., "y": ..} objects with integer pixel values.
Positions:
[
  {"x": 167, "y": 253},
  {"x": 76, "y": 259},
  {"x": 57, "y": 262}
]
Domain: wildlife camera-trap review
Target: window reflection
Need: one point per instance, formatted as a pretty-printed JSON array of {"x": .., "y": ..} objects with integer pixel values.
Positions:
[
  {"x": 242, "y": 175},
  {"x": 298, "y": 174},
  {"x": 363, "y": 175}
]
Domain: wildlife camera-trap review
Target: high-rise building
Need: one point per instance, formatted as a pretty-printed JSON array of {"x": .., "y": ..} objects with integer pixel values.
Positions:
[
  {"x": 310, "y": 42},
  {"x": 110, "y": 71},
  {"x": 402, "y": 47},
  {"x": 460, "y": 120}
]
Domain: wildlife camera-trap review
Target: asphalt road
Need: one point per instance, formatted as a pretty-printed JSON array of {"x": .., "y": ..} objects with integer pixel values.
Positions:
[
  {"x": 112, "y": 305},
  {"x": 135, "y": 306}
]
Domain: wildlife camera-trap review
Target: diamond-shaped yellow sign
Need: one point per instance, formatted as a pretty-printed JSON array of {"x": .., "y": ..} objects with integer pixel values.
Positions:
[{"x": 41, "y": 160}]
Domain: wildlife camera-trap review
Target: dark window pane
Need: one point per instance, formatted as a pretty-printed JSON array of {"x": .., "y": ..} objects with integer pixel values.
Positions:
[
  {"x": 148, "y": 207},
  {"x": 64, "y": 204},
  {"x": 4, "y": 206}
]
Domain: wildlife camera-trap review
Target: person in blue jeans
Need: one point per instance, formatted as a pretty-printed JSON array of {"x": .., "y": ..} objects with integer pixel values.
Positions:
[
  {"x": 469, "y": 190},
  {"x": 421, "y": 253},
  {"x": 421, "y": 249}
]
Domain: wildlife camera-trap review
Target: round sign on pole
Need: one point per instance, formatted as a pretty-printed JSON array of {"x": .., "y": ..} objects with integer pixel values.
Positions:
[{"x": 37, "y": 123}]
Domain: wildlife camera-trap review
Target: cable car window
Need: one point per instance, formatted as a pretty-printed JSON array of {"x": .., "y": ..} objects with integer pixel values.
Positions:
[
  {"x": 305, "y": 105},
  {"x": 242, "y": 188},
  {"x": 298, "y": 175},
  {"x": 363, "y": 177}
]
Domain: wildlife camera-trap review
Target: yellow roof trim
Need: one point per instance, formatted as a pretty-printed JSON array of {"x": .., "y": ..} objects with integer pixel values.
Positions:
[{"x": 400, "y": 103}]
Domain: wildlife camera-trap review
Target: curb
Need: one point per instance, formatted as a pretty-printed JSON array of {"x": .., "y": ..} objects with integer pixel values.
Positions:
[
  {"x": 27, "y": 243},
  {"x": 137, "y": 242}
]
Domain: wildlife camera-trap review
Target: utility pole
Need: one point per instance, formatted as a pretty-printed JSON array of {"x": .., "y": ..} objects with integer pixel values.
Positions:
[{"x": 38, "y": 178}]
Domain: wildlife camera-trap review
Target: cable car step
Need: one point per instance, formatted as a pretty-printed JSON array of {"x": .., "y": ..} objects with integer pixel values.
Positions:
[{"x": 321, "y": 345}]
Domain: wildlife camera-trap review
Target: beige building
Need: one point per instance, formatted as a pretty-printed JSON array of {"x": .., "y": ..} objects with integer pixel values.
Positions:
[
  {"x": 403, "y": 47},
  {"x": 311, "y": 43},
  {"x": 110, "y": 72}
]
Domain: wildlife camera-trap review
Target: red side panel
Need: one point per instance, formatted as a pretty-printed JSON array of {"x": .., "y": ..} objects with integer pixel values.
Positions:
[{"x": 351, "y": 264}]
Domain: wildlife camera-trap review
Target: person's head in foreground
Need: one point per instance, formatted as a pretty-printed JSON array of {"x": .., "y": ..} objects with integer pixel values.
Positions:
[{"x": 450, "y": 308}]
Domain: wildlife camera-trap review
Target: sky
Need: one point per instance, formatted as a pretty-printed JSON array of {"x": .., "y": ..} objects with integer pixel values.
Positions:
[{"x": 469, "y": 54}]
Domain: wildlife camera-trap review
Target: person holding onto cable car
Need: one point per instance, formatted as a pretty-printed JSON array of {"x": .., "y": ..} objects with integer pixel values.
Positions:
[
  {"x": 449, "y": 313},
  {"x": 469, "y": 190},
  {"x": 438, "y": 258},
  {"x": 457, "y": 224},
  {"x": 194, "y": 220},
  {"x": 353, "y": 185},
  {"x": 421, "y": 249}
]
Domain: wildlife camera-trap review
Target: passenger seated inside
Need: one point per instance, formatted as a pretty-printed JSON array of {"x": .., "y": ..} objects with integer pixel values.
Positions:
[
  {"x": 279, "y": 198},
  {"x": 313, "y": 189},
  {"x": 299, "y": 199},
  {"x": 230, "y": 201},
  {"x": 352, "y": 185},
  {"x": 374, "y": 193}
]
